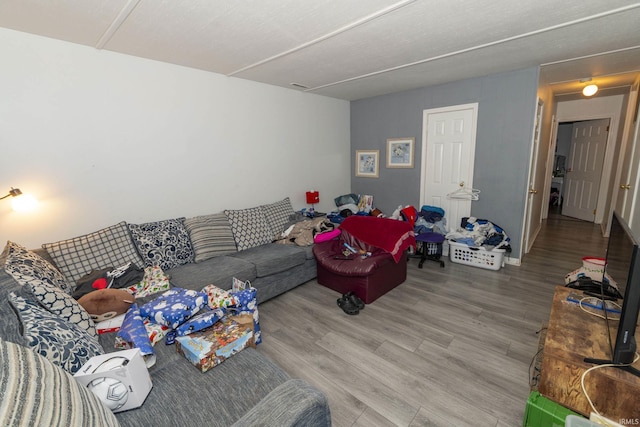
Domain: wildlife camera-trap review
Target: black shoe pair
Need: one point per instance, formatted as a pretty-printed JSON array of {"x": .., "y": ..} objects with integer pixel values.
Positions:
[{"x": 350, "y": 303}]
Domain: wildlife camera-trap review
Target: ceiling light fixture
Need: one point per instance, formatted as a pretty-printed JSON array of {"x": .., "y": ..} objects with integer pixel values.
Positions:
[{"x": 590, "y": 89}]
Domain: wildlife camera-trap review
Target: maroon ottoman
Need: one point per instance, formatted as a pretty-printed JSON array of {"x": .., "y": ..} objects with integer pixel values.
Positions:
[{"x": 368, "y": 278}]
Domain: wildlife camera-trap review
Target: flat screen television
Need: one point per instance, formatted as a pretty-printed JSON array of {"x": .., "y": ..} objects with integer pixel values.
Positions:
[{"x": 623, "y": 267}]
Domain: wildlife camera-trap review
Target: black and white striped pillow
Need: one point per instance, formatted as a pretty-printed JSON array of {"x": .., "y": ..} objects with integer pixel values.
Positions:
[
  {"x": 31, "y": 382},
  {"x": 210, "y": 235}
]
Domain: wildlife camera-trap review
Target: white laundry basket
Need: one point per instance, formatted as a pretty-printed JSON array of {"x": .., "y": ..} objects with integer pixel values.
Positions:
[{"x": 476, "y": 256}]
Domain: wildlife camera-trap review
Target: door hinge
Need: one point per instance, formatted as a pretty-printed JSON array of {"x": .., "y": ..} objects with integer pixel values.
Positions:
[
  {"x": 594, "y": 211},
  {"x": 607, "y": 128}
]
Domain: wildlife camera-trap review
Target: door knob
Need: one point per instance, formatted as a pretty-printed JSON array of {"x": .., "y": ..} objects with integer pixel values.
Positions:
[
  {"x": 625, "y": 187},
  {"x": 532, "y": 191}
]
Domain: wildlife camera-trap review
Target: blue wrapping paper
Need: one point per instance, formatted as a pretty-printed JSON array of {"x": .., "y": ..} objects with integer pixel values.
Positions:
[
  {"x": 247, "y": 304},
  {"x": 133, "y": 331},
  {"x": 174, "y": 307},
  {"x": 201, "y": 321}
]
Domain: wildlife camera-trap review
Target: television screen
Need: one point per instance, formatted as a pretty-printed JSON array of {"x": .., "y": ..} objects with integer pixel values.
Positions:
[{"x": 623, "y": 266}]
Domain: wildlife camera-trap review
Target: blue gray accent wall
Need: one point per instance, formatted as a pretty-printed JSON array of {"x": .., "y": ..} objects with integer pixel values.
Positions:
[{"x": 506, "y": 111}]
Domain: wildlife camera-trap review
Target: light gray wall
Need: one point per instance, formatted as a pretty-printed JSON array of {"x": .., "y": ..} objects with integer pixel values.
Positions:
[
  {"x": 506, "y": 110},
  {"x": 100, "y": 137}
]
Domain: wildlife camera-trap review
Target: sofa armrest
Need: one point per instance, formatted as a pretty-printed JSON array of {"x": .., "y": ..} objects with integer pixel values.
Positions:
[{"x": 293, "y": 403}]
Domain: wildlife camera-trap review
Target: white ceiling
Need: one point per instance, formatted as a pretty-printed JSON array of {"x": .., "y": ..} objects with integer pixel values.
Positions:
[{"x": 355, "y": 49}]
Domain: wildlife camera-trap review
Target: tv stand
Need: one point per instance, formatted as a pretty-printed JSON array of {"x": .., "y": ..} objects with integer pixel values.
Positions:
[{"x": 572, "y": 337}]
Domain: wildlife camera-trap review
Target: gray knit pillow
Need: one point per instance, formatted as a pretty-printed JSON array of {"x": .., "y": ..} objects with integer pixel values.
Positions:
[
  {"x": 278, "y": 215},
  {"x": 250, "y": 227}
]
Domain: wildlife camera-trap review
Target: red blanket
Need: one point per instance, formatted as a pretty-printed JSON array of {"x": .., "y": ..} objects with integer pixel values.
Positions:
[{"x": 389, "y": 234}]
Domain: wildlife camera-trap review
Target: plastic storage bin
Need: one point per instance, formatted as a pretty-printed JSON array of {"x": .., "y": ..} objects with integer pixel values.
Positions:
[
  {"x": 477, "y": 257},
  {"x": 543, "y": 412}
]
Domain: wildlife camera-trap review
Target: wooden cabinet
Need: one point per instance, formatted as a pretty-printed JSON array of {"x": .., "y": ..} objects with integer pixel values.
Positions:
[{"x": 573, "y": 335}]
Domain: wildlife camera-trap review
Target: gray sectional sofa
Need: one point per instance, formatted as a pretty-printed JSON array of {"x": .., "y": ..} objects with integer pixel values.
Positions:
[{"x": 247, "y": 389}]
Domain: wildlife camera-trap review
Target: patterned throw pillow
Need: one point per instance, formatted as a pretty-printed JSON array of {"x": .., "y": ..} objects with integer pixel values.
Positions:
[
  {"x": 63, "y": 305},
  {"x": 210, "y": 235},
  {"x": 26, "y": 267},
  {"x": 278, "y": 214},
  {"x": 34, "y": 382},
  {"x": 63, "y": 343},
  {"x": 108, "y": 247},
  {"x": 250, "y": 227},
  {"x": 163, "y": 243}
]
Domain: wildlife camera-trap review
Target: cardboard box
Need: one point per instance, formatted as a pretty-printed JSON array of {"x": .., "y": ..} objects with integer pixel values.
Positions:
[
  {"x": 119, "y": 379},
  {"x": 212, "y": 346}
]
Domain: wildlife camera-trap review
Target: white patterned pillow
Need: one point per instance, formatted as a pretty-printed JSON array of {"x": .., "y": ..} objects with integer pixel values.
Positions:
[
  {"x": 163, "y": 243},
  {"x": 63, "y": 343},
  {"x": 104, "y": 248},
  {"x": 27, "y": 267},
  {"x": 210, "y": 235},
  {"x": 34, "y": 382},
  {"x": 64, "y": 306},
  {"x": 278, "y": 215},
  {"x": 250, "y": 227}
]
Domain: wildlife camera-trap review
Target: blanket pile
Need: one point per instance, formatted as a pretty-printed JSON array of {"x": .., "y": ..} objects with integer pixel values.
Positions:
[{"x": 388, "y": 234}]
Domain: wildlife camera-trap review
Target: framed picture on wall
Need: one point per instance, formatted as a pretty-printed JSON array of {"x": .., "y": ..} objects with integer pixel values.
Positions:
[
  {"x": 367, "y": 163},
  {"x": 400, "y": 152}
]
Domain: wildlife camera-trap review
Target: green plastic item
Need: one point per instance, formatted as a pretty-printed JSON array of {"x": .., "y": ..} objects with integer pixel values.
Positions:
[{"x": 543, "y": 412}]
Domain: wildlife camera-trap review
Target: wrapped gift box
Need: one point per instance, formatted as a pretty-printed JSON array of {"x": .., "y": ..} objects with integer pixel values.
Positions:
[{"x": 212, "y": 346}]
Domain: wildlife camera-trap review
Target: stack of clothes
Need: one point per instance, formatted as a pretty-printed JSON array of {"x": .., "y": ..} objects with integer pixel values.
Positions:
[{"x": 480, "y": 232}]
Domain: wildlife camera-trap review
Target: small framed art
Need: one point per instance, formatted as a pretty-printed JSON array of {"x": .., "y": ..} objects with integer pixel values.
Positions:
[
  {"x": 400, "y": 152},
  {"x": 367, "y": 163}
]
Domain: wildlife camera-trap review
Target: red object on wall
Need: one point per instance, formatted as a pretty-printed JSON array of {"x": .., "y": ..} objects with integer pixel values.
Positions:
[{"x": 313, "y": 197}]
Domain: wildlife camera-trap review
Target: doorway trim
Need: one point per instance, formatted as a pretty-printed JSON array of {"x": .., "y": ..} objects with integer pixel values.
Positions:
[{"x": 607, "y": 166}]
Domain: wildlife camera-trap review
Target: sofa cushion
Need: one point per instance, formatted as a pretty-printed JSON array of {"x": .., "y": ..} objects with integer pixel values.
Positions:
[
  {"x": 272, "y": 258},
  {"x": 250, "y": 227},
  {"x": 278, "y": 214},
  {"x": 63, "y": 343},
  {"x": 210, "y": 235},
  {"x": 27, "y": 267},
  {"x": 9, "y": 321},
  {"x": 63, "y": 305},
  {"x": 218, "y": 271},
  {"x": 103, "y": 248},
  {"x": 163, "y": 243},
  {"x": 30, "y": 381}
]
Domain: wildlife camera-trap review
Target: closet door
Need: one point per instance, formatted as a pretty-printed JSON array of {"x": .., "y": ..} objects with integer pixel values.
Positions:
[{"x": 448, "y": 149}]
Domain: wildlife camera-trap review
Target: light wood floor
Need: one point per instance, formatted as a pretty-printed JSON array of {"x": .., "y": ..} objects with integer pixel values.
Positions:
[{"x": 449, "y": 347}]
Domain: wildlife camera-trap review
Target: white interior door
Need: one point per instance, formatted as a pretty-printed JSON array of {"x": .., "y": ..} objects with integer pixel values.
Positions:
[
  {"x": 584, "y": 169},
  {"x": 535, "y": 192},
  {"x": 448, "y": 150},
  {"x": 628, "y": 164}
]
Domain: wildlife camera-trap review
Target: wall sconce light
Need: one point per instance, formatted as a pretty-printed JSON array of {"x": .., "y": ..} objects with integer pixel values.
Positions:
[
  {"x": 14, "y": 192},
  {"x": 23, "y": 203},
  {"x": 590, "y": 89}
]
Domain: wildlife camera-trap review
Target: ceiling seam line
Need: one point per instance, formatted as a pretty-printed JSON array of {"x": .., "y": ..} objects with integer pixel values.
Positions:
[
  {"x": 591, "y": 56},
  {"x": 117, "y": 23},
  {"x": 598, "y": 76},
  {"x": 482, "y": 46},
  {"x": 332, "y": 34}
]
